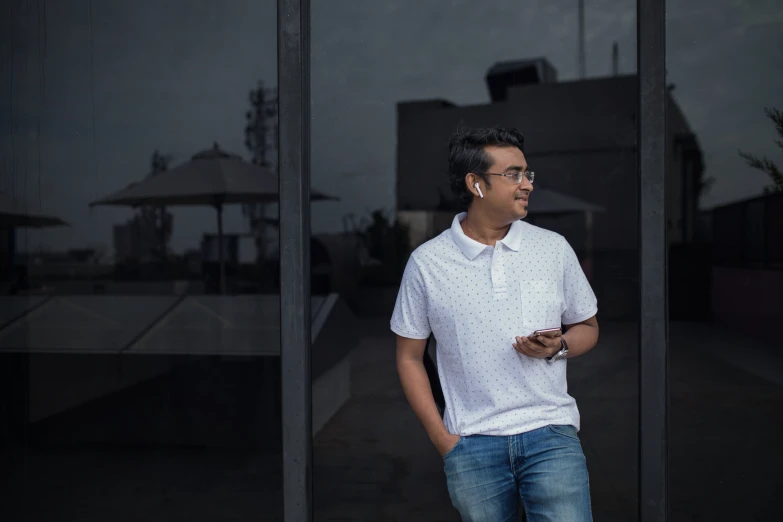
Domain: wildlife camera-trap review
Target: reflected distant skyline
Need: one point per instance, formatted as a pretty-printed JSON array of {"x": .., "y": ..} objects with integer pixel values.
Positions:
[{"x": 175, "y": 76}]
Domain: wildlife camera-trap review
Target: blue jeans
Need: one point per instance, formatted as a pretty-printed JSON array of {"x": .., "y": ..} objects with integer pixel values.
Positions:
[{"x": 487, "y": 476}]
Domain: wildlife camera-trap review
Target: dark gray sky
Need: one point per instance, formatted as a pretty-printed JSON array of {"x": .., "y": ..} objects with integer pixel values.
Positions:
[{"x": 175, "y": 74}]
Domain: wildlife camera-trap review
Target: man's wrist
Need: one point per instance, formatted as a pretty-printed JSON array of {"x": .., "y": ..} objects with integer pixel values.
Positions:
[
  {"x": 439, "y": 434},
  {"x": 561, "y": 352}
]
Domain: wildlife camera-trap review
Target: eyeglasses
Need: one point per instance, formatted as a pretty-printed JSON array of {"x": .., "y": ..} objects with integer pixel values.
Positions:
[{"x": 517, "y": 176}]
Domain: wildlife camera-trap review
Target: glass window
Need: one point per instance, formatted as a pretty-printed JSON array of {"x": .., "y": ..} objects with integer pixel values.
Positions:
[
  {"x": 723, "y": 64},
  {"x": 390, "y": 85},
  {"x": 139, "y": 360}
]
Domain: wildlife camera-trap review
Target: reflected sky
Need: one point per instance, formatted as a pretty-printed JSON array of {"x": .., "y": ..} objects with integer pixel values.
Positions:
[{"x": 89, "y": 90}]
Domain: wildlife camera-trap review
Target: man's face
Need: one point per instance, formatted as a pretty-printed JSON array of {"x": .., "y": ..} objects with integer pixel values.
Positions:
[{"x": 507, "y": 199}]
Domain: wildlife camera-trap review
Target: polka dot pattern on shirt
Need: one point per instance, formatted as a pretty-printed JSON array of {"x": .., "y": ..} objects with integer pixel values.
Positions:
[{"x": 475, "y": 299}]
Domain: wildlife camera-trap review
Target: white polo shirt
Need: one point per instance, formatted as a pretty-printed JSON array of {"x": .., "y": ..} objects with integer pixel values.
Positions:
[{"x": 476, "y": 299}]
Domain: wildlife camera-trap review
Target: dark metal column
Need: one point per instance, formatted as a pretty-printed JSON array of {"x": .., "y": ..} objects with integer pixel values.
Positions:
[
  {"x": 293, "y": 37},
  {"x": 653, "y": 247}
]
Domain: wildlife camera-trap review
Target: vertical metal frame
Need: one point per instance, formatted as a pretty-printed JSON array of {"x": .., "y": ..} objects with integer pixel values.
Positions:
[
  {"x": 653, "y": 249},
  {"x": 293, "y": 70}
]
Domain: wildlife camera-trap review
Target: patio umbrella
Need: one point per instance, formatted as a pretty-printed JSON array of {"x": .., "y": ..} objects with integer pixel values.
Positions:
[
  {"x": 14, "y": 215},
  {"x": 545, "y": 201},
  {"x": 212, "y": 177}
]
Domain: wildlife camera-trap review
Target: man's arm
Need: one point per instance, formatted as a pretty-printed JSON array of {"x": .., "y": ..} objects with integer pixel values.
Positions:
[
  {"x": 581, "y": 337},
  {"x": 416, "y": 385}
]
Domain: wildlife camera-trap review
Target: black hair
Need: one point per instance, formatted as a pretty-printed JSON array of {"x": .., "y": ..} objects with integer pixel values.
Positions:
[{"x": 467, "y": 154}]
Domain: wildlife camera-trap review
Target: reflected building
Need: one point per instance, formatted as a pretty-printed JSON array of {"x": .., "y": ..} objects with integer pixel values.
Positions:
[
  {"x": 581, "y": 140},
  {"x": 141, "y": 238}
]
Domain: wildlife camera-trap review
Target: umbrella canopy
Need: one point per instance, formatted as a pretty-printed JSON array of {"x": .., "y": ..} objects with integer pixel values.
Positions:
[
  {"x": 545, "y": 201},
  {"x": 14, "y": 215},
  {"x": 211, "y": 177}
]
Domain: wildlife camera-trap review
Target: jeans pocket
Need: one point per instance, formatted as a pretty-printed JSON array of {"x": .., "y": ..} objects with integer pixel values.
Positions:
[
  {"x": 566, "y": 430},
  {"x": 454, "y": 448}
]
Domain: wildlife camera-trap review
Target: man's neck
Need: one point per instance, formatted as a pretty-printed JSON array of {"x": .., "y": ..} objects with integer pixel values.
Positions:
[{"x": 481, "y": 229}]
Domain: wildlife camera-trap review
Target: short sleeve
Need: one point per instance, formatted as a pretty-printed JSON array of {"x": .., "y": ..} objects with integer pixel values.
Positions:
[
  {"x": 580, "y": 301},
  {"x": 409, "y": 318}
]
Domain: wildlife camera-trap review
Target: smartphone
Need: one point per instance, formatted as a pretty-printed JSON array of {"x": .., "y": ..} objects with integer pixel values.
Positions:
[{"x": 547, "y": 332}]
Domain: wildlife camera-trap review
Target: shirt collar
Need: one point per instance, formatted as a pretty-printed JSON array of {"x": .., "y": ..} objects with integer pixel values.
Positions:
[{"x": 472, "y": 248}]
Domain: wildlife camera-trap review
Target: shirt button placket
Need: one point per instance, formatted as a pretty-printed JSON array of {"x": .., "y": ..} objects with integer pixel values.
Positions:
[{"x": 498, "y": 273}]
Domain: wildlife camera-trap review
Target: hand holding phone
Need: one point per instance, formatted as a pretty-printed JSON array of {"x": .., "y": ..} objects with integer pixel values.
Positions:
[{"x": 540, "y": 344}]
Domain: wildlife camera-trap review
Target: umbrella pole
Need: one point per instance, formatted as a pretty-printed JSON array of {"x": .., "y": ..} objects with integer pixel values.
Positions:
[{"x": 219, "y": 208}]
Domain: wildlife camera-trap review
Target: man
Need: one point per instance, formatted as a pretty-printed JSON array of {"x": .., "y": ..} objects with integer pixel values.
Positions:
[{"x": 484, "y": 288}]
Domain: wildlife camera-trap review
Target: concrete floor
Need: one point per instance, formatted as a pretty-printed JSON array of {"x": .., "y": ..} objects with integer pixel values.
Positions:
[
  {"x": 725, "y": 442},
  {"x": 373, "y": 461}
]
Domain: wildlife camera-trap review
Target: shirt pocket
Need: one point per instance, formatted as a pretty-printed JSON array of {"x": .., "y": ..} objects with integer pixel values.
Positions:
[{"x": 541, "y": 304}]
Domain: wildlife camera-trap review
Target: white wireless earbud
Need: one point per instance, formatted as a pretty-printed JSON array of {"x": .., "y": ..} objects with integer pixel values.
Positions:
[{"x": 479, "y": 190}]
